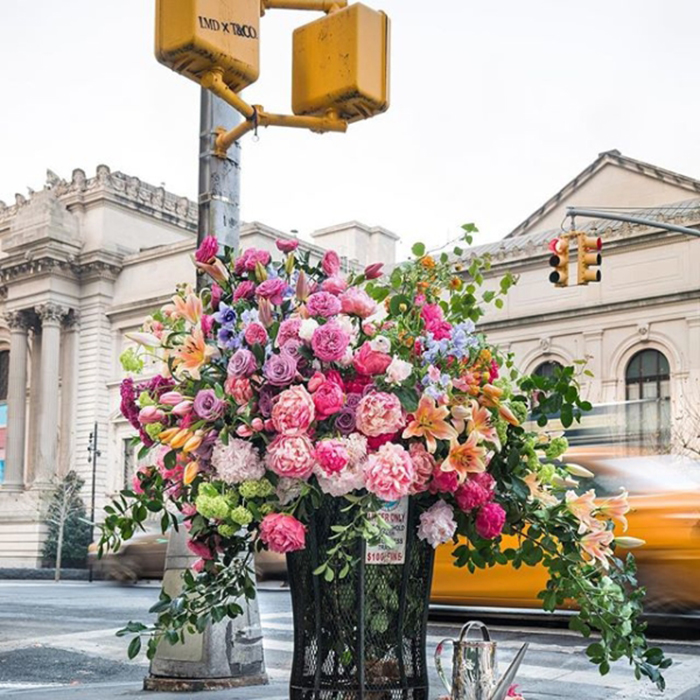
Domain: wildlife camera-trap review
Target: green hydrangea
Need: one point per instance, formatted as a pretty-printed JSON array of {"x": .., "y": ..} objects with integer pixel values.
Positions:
[
  {"x": 519, "y": 409},
  {"x": 266, "y": 508},
  {"x": 504, "y": 383},
  {"x": 533, "y": 462},
  {"x": 502, "y": 429},
  {"x": 546, "y": 472},
  {"x": 241, "y": 515},
  {"x": 213, "y": 507},
  {"x": 557, "y": 447},
  {"x": 259, "y": 488},
  {"x": 153, "y": 430},
  {"x": 226, "y": 530},
  {"x": 130, "y": 361},
  {"x": 232, "y": 498},
  {"x": 145, "y": 399}
]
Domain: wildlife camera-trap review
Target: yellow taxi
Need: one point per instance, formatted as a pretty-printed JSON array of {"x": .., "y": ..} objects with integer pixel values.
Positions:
[{"x": 664, "y": 496}]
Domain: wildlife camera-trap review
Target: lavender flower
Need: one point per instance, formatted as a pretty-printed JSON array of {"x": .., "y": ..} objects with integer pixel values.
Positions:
[
  {"x": 345, "y": 420},
  {"x": 207, "y": 406},
  {"x": 225, "y": 316},
  {"x": 280, "y": 370},
  {"x": 242, "y": 363}
]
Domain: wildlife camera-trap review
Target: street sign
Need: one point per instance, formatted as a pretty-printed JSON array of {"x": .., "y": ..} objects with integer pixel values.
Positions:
[
  {"x": 196, "y": 36},
  {"x": 340, "y": 62}
]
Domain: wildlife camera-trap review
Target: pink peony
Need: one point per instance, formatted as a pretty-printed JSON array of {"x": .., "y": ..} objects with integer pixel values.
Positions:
[
  {"x": 288, "y": 245},
  {"x": 323, "y": 304},
  {"x": 332, "y": 456},
  {"x": 471, "y": 495},
  {"x": 294, "y": 411},
  {"x": 329, "y": 342},
  {"x": 245, "y": 290},
  {"x": 370, "y": 362},
  {"x": 255, "y": 333},
  {"x": 207, "y": 250},
  {"x": 490, "y": 520},
  {"x": 330, "y": 263},
  {"x": 423, "y": 465},
  {"x": 443, "y": 482},
  {"x": 434, "y": 322},
  {"x": 379, "y": 413},
  {"x": 357, "y": 302},
  {"x": 249, "y": 259},
  {"x": 282, "y": 533},
  {"x": 328, "y": 399},
  {"x": 291, "y": 456},
  {"x": 375, "y": 442},
  {"x": 237, "y": 461},
  {"x": 240, "y": 388},
  {"x": 272, "y": 289},
  {"x": 389, "y": 472},
  {"x": 437, "y": 524},
  {"x": 335, "y": 285},
  {"x": 288, "y": 330}
]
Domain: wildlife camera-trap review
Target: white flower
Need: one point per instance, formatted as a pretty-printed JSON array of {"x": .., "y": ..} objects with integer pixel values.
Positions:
[
  {"x": 307, "y": 328},
  {"x": 356, "y": 445},
  {"x": 398, "y": 371},
  {"x": 348, "y": 325},
  {"x": 349, "y": 479},
  {"x": 236, "y": 462},
  {"x": 288, "y": 489},
  {"x": 380, "y": 343},
  {"x": 437, "y": 524}
]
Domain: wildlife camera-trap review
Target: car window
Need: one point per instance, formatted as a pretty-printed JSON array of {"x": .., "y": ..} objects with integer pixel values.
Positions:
[{"x": 646, "y": 475}]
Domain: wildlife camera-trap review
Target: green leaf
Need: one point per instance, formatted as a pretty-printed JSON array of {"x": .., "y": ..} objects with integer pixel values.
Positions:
[
  {"x": 418, "y": 250},
  {"x": 408, "y": 398},
  {"x": 397, "y": 302},
  {"x": 329, "y": 574},
  {"x": 134, "y": 647}
]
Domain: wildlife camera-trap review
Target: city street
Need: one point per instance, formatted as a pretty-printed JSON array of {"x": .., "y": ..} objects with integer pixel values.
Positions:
[{"x": 57, "y": 641}]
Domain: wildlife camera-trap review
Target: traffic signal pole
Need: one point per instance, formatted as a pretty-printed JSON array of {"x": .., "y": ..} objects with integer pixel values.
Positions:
[
  {"x": 229, "y": 653},
  {"x": 596, "y": 214}
]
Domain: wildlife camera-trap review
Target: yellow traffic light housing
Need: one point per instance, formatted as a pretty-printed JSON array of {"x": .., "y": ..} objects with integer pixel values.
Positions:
[
  {"x": 588, "y": 256},
  {"x": 194, "y": 37},
  {"x": 559, "y": 260},
  {"x": 341, "y": 63}
]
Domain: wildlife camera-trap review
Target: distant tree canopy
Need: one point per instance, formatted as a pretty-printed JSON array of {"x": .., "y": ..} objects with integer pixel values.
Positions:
[{"x": 67, "y": 514}]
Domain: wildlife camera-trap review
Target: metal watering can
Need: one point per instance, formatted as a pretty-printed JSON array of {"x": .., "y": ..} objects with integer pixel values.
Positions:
[{"x": 474, "y": 667}]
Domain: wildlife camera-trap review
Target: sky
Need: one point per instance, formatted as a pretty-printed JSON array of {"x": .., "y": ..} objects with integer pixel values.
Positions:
[{"x": 494, "y": 107}]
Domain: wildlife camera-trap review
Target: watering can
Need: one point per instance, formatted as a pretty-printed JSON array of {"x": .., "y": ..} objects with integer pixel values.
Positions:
[{"x": 474, "y": 667}]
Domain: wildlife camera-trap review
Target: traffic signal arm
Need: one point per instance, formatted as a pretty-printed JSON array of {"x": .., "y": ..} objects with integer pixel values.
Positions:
[{"x": 318, "y": 5}]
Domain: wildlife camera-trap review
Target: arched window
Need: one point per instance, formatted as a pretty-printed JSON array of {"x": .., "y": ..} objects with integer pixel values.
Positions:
[
  {"x": 648, "y": 393},
  {"x": 546, "y": 369}
]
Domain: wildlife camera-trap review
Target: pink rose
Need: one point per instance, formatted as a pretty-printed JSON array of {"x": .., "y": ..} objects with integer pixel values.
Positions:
[
  {"x": 249, "y": 259},
  {"x": 200, "y": 549},
  {"x": 291, "y": 456},
  {"x": 374, "y": 271},
  {"x": 206, "y": 323},
  {"x": 328, "y": 399},
  {"x": 216, "y": 293},
  {"x": 245, "y": 290},
  {"x": 294, "y": 411},
  {"x": 282, "y": 533},
  {"x": 329, "y": 342},
  {"x": 434, "y": 322},
  {"x": 287, "y": 245},
  {"x": 423, "y": 465},
  {"x": 357, "y": 302},
  {"x": 323, "y": 304},
  {"x": 240, "y": 388},
  {"x": 379, "y": 413},
  {"x": 334, "y": 285},
  {"x": 288, "y": 330},
  {"x": 389, "y": 472},
  {"x": 398, "y": 371},
  {"x": 272, "y": 289},
  {"x": 490, "y": 520},
  {"x": 332, "y": 456},
  {"x": 255, "y": 333},
  {"x": 207, "y": 250},
  {"x": 330, "y": 263},
  {"x": 370, "y": 362}
]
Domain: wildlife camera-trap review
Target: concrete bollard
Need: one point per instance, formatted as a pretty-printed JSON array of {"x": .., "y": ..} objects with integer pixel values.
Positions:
[{"x": 227, "y": 654}]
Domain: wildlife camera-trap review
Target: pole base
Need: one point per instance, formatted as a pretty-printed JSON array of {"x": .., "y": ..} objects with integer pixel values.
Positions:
[{"x": 194, "y": 685}]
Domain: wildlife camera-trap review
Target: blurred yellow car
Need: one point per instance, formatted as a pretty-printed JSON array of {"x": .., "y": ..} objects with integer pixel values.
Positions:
[{"x": 665, "y": 512}]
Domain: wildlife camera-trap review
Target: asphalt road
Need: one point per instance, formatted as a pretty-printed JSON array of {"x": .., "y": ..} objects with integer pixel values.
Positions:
[{"x": 57, "y": 641}]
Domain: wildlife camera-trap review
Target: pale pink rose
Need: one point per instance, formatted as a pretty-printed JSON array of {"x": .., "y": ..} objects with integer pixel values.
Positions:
[
  {"x": 379, "y": 413},
  {"x": 389, "y": 472},
  {"x": 307, "y": 329},
  {"x": 282, "y": 533},
  {"x": 255, "y": 333},
  {"x": 239, "y": 388},
  {"x": 289, "y": 329},
  {"x": 330, "y": 263},
  {"x": 437, "y": 524},
  {"x": 334, "y": 285},
  {"x": 423, "y": 465},
  {"x": 490, "y": 520},
  {"x": 328, "y": 399},
  {"x": 357, "y": 302},
  {"x": 294, "y": 411},
  {"x": 332, "y": 456},
  {"x": 370, "y": 362},
  {"x": 329, "y": 342},
  {"x": 398, "y": 371},
  {"x": 323, "y": 304},
  {"x": 291, "y": 456}
]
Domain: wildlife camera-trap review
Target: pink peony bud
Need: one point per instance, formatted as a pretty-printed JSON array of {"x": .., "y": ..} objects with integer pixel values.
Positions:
[
  {"x": 243, "y": 431},
  {"x": 183, "y": 408},
  {"x": 257, "y": 424},
  {"x": 287, "y": 246},
  {"x": 151, "y": 414},
  {"x": 374, "y": 271},
  {"x": 171, "y": 398}
]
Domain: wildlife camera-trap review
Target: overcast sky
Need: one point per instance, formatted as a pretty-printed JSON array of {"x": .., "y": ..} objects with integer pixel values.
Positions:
[{"x": 494, "y": 106}]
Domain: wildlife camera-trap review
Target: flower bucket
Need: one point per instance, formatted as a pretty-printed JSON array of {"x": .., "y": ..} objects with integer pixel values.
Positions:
[{"x": 362, "y": 636}]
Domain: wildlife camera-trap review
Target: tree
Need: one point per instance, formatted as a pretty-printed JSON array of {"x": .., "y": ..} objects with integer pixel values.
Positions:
[{"x": 69, "y": 529}]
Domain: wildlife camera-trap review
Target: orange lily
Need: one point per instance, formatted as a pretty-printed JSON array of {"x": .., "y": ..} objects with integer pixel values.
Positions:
[
  {"x": 193, "y": 353},
  {"x": 189, "y": 307},
  {"x": 466, "y": 458},
  {"x": 538, "y": 492},
  {"x": 480, "y": 423},
  {"x": 582, "y": 508},
  {"x": 616, "y": 508},
  {"x": 596, "y": 544},
  {"x": 429, "y": 423}
]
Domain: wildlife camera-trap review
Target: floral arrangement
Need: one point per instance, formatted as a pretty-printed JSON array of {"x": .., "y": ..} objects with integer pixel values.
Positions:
[{"x": 284, "y": 382}]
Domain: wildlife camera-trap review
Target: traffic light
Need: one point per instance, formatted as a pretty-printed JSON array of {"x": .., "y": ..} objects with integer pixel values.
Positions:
[
  {"x": 588, "y": 256},
  {"x": 559, "y": 261}
]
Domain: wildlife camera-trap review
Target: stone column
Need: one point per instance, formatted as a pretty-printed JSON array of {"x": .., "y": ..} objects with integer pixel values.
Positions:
[
  {"x": 51, "y": 316},
  {"x": 69, "y": 392},
  {"x": 19, "y": 323}
]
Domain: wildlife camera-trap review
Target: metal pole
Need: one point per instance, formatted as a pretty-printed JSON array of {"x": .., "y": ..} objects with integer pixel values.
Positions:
[
  {"x": 94, "y": 454},
  {"x": 595, "y": 214},
  {"x": 229, "y": 653}
]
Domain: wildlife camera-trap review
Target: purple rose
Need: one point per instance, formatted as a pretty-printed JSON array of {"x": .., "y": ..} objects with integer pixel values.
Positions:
[
  {"x": 291, "y": 348},
  {"x": 345, "y": 421},
  {"x": 266, "y": 399},
  {"x": 242, "y": 363},
  {"x": 207, "y": 406},
  {"x": 272, "y": 289},
  {"x": 280, "y": 370},
  {"x": 323, "y": 304},
  {"x": 203, "y": 452},
  {"x": 352, "y": 400}
]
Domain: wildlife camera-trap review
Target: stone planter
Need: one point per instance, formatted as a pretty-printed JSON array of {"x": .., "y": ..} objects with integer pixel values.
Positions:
[{"x": 362, "y": 637}]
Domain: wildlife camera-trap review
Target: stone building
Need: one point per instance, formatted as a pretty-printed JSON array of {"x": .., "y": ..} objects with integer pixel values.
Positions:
[{"x": 81, "y": 264}]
